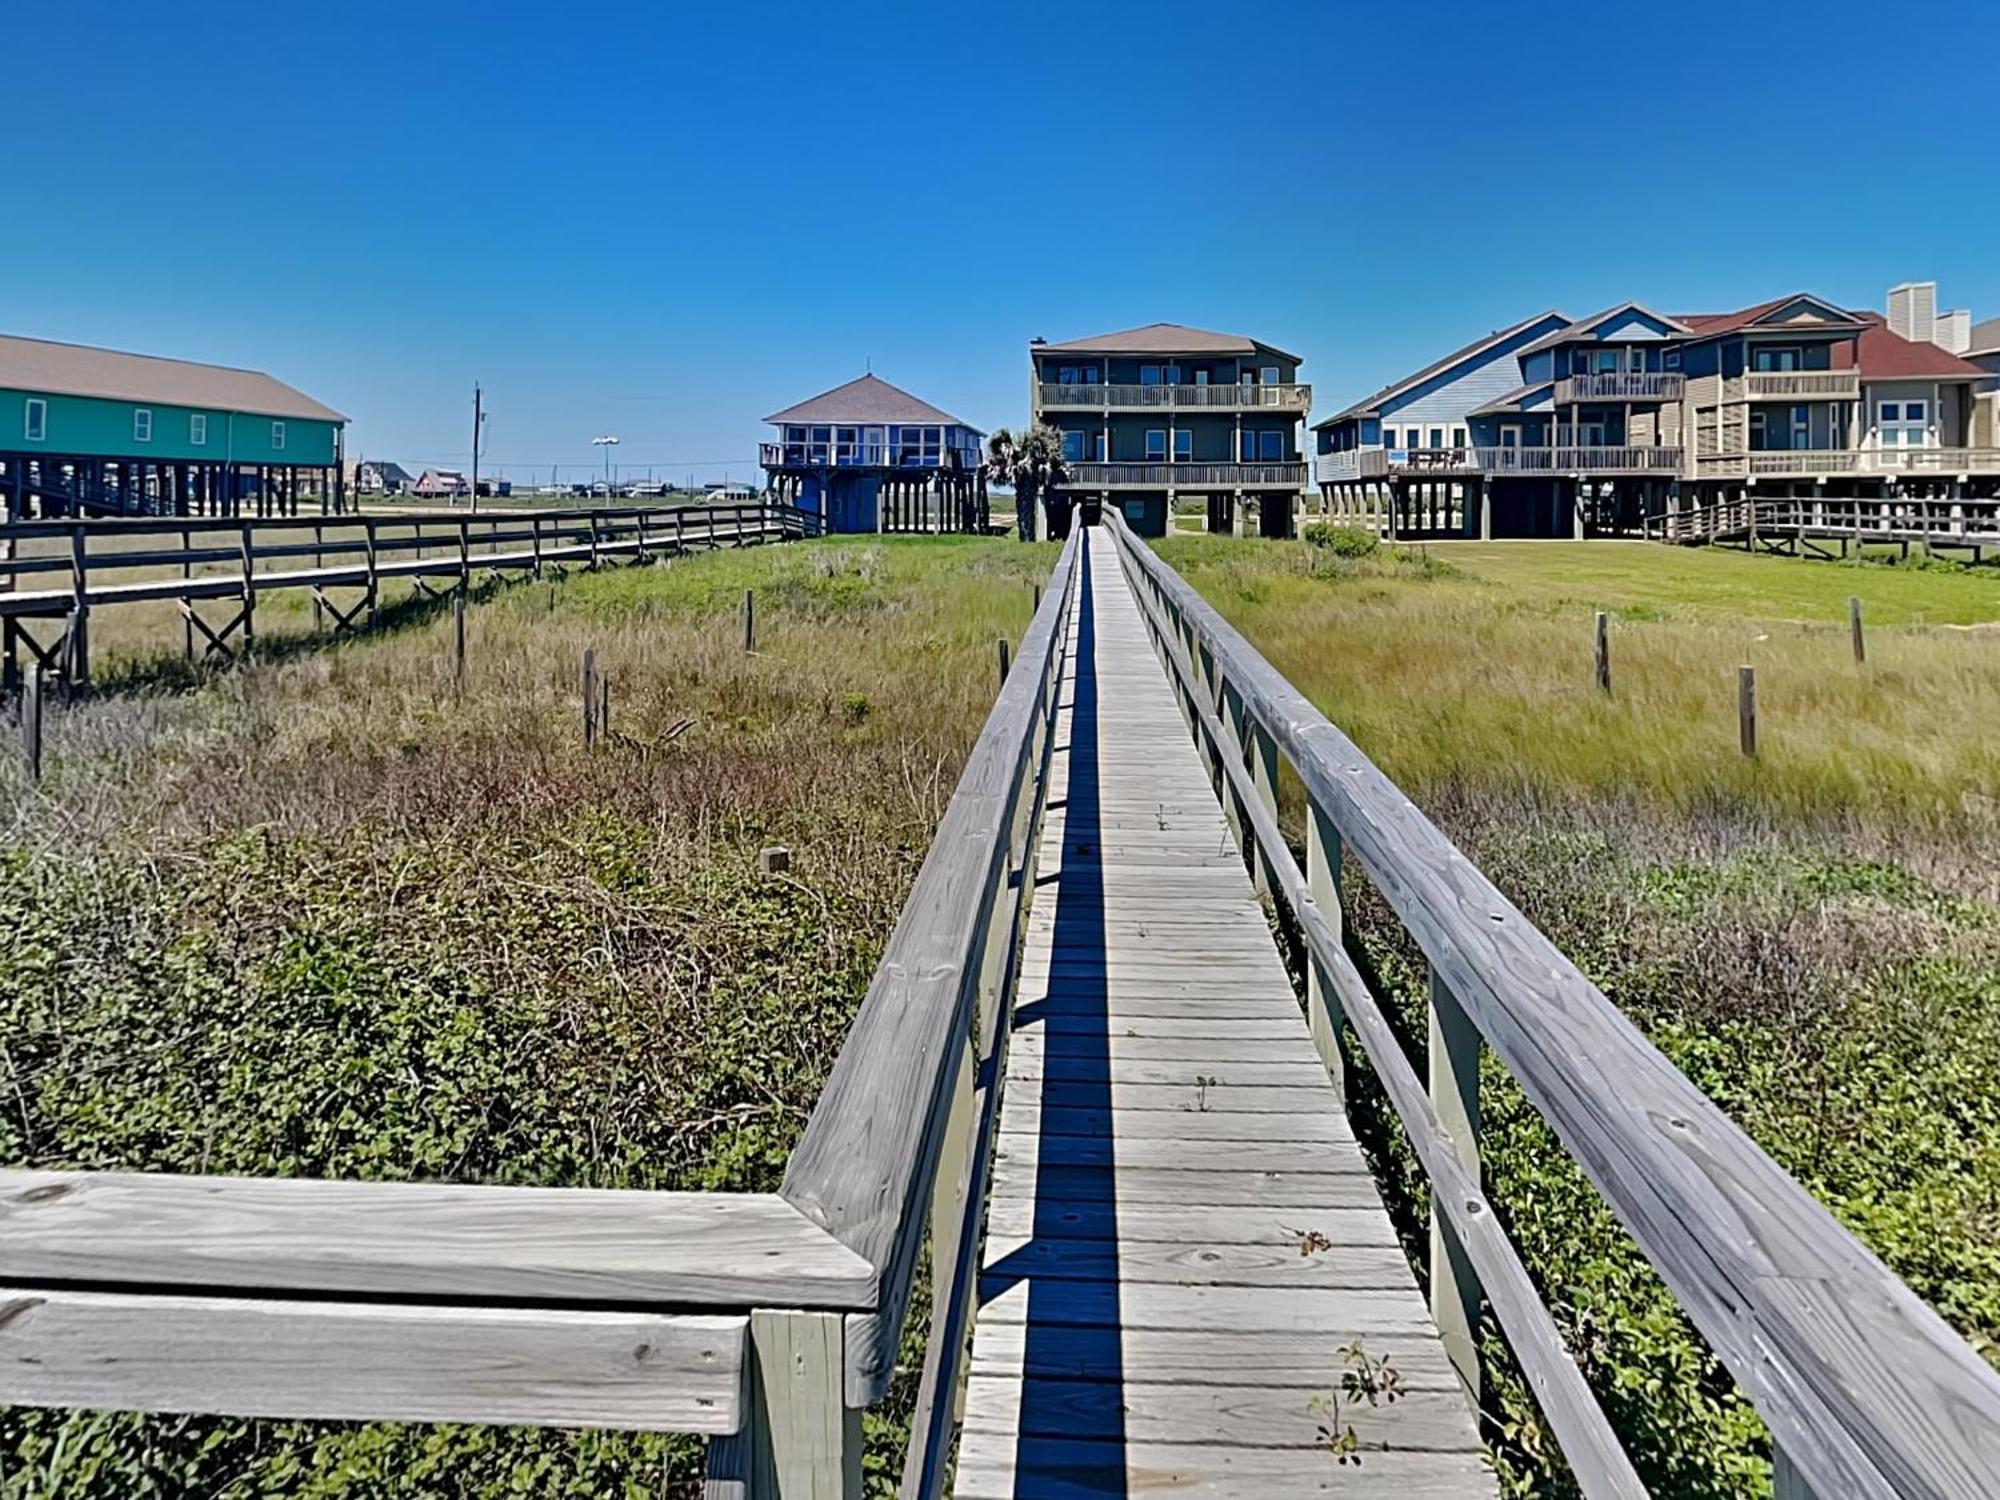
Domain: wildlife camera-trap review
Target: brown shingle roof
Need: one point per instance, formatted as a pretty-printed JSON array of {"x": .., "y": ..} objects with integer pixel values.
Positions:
[
  {"x": 78, "y": 370},
  {"x": 1886, "y": 355},
  {"x": 1707, "y": 325},
  {"x": 867, "y": 400},
  {"x": 1164, "y": 338}
]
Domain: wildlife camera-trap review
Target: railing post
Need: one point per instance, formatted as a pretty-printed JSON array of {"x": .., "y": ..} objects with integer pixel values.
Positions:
[
  {"x": 76, "y": 666},
  {"x": 246, "y": 549},
  {"x": 1454, "y": 1083},
  {"x": 1264, "y": 775},
  {"x": 799, "y": 1439},
  {"x": 1323, "y": 1012}
]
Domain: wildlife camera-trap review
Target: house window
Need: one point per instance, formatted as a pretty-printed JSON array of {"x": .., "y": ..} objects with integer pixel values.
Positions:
[
  {"x": 1413, "y": 438},
  {"x": 1269, "y": 374},
  {"x": 198, "y": 429},
  {"x": 277, "y": 437},
  {"x": 1073, "y": 446},
  {"x": 1271, "y": 446},
  {"x": 1458, "y": 437},
  {"x": 1149, "y": 374},
  {"x": 1156, "y": 441},
  {"x": 1775, "y": 360},
  {"x": 1437, "y": 437},
  {"x": 1183, "y": 445},
  {"x": 1066, "y": 375},
  {"x": 1671, "y": 360},
  {"x": 142, "y": 425},
  {"x": 1249, "y": 446},
  {"x": 1902, "y": 423},
  {"x": 1607, "y": 361},
  {"x": 37, "y": 420}
]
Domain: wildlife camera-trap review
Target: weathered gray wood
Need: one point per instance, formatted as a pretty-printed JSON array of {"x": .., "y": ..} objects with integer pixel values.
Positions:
[
  {"x": 357, "y": 1361},
  {"x": 1260, "y": 1416},
  {"x": 998, "y": 1466},
  {"x": 749, "y": 619},
  {"x": 1868, "y": 1391},
  {"x": 1177, "y": 1356},
  {"x": 1603, "y": 672},
  {"x": 31, "y": 721},
  {"x": 1586, "y": 1436},
  {"x": 1854, "y": 629},
  {"x": 864, "y": 1165},
  {"x": 416, "y": 1239},
  {"x": 1196, "y": 1185},
  {"x": 798, "y": 1438},
  {"x": 1454, "y": 1068},
  {"x": 1323, "y": 890},
  {"x": 1746, "y": 709}
]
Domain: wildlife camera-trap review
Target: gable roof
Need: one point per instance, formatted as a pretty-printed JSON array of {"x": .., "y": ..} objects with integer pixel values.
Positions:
[
  {"x": 1367, "y": 405},
  {"x": 1708, "y": 325},
  {"x": 1163, "y": 338},
  {"x": 44, "y": 366},
  {"x": 1500, "y": 405},
  {"x": 1887, "y": 355},
  {"x": 1597, "y": 320},
  {"x": 868, "y": 399}
]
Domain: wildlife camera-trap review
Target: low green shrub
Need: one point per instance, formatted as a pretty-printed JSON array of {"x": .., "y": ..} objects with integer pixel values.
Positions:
[{"x": 1342, "y": 541}]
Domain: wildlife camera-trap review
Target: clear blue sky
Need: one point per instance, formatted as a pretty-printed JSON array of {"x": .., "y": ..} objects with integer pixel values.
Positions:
[{"x": 665, "y": 221}]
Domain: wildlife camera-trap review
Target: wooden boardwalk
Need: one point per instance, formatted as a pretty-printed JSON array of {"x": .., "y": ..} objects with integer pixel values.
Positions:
[{"x": 1156, "y": 1312}]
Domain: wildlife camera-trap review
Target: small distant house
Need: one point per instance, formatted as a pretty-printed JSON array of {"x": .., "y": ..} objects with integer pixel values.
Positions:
[
  {"x": 866, "y": 456},
  {"x": 440, "y": 484},
  {"x": 496, "y": 488},
  {"x": 728, "y": 493},
  {"x": 381, "y": 476}
]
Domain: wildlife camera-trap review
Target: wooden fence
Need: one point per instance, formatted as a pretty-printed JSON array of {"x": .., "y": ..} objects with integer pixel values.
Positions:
[
  {"x": 434, "y": 550},
  {"x": 1867, "y": 1392},
  {"x": 1798, "y": 523},
  {"x": 765, "y": 1320}
]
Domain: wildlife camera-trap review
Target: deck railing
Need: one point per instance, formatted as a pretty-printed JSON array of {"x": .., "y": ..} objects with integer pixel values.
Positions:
[
  {"x": 1220, "y": 396},
  {"x": 322, "y": 553},
  {"x": 1368, "y": 463},
  {"x": 1353, "y": 464},
  {"x": 764, "y": 1320},
  {"x": 863, "y": 456},
  {"x": 1187, "y": 475},
  {"x": 1622, "y": 385},
  {"x": 1811, "y": 385},
  {"x": 1868, "y": 1393},
  {"x": 1889, "y": 462},
  {"x": 1859, "y": 519}
]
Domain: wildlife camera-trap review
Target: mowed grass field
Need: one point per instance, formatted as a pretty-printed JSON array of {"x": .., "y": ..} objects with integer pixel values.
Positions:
[
  {"x": 333, "y": 914},
  {"x": 1813, "y": 936}
]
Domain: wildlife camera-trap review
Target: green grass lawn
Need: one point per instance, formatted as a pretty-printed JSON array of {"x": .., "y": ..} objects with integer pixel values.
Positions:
[
  {"x": 332, "y": 914},
  {"x": 1813, "y": 936}
]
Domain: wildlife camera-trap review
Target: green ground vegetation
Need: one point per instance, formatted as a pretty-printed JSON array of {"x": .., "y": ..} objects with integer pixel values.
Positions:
[
  {"x": 1814, "y": 937},
  {"x": 333, "y": 913}
]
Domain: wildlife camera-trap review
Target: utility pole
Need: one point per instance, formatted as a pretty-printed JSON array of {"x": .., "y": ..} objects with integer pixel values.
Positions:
[{"x": 478, "y": 417}]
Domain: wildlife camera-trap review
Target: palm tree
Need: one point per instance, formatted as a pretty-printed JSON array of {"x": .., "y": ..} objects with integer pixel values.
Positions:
[{"x": 1032, "y": 462}]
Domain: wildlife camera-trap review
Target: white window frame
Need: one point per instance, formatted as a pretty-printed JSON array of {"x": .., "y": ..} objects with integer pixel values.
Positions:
[
  {"x": 35, "y": 420},
  {"x": 277, "y": 437},
  {"x": 1670, "y": 359},
  {"x": 1153, "y": 457},
  {"x": 142, "y": 424},
  {"x": 1183, "y": 438},
  {"x": 198, "y": 429},
  {"x": 1268, "y": 375}
]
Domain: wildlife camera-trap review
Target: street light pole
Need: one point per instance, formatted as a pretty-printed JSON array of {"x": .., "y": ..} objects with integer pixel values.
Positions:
[{"x": 607, "y": 443}]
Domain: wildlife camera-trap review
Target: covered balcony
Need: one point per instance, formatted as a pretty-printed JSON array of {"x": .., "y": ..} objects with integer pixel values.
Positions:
[
  {"x": 1636, "y": 386},
  {"x": 1091, "y": 396},
  {"x": 1187, "y": 476}
]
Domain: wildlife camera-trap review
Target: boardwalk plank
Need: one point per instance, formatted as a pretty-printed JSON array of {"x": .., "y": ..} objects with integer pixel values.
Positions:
[{"x": 1182, "y": 1236}]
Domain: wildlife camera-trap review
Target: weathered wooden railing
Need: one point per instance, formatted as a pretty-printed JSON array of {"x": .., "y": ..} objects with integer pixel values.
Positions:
[
  {"x": 1909, "y": 520},
  {"x": 1867, "y": 1392},
  {"x": 319, "y": 553},
  {"x": 1220, "y": 395},
  {"x": 765, "y": 1320}
]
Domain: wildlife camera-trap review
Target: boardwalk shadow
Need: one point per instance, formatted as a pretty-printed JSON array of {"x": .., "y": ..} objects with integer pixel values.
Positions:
[{"x": 1073, "y": 1370}]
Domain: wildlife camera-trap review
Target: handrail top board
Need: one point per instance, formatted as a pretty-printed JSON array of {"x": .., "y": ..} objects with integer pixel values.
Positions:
[
  {"x": 115, "y": 525},
  {"x": 1868, "y": 1391},
  {"x": 861, "y": 1167},
  {"x": 572, "y": 1246}
]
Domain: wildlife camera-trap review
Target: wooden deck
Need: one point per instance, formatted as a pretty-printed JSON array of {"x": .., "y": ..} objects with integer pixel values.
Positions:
[{"x": 1154, "y": 1315}]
